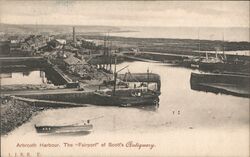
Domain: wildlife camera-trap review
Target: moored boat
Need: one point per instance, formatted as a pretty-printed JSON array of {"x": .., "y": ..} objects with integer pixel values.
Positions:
[
  {"x": 64, "y": 129},
  {"x": 139, "y": 94},
  {"x": 128, "y": 97},
  {"x": 86, "y": 127}
]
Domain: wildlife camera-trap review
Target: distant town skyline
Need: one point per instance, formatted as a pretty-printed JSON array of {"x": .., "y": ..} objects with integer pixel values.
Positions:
[{"x": 127, "y": 13}]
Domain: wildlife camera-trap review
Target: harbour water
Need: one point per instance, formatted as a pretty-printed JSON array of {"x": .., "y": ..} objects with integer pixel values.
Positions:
[
  {"x": 32, "y": 77},
  {"x": 183, "y": 114}
]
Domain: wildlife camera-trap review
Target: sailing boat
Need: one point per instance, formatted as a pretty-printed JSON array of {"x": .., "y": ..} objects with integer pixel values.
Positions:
[{"x": 127, "y": 96}]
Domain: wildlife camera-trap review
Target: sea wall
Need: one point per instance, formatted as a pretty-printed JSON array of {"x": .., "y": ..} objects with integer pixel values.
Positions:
[
  {"x": 77, "y": 97},
  {"x": 221, "y": 83},
  {"x": 17, "y": 110},
  {"x": 241, "y": 80},
  {"x": 48, "y": 103},
  {"x": 180, "y": 57},
  {"x": 53, "y": 75}
]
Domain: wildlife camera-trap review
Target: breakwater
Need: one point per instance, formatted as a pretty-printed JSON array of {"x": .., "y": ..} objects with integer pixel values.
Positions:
[
  {"x": 48, "y": 103},
  {"x": 14, "y": 113},
  {"x": 73, "y": 97},
  {"x": 162, "y": 57},
  {"x": 17, "y": 110},
  {"x": 241, "y": 80}
]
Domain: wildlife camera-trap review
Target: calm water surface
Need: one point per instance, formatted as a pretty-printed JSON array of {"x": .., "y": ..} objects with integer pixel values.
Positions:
[
  {"x": 185, "y": 120},
  {"x": 179, "y": 107}
]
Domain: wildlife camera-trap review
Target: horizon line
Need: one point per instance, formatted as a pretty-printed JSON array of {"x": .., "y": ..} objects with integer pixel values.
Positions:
[{"x": 125, "y": 26}]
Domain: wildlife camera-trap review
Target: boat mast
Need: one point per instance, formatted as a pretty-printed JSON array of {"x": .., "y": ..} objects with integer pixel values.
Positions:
[
  {"x": 223, "y": 48},
  {"x": 147, "y": 78},
  {"x": 115, "y": 77},
  {"x": 110, "y": 55},
  {"x": 199, "y": 43},
  {"x": 105, "y": 44},
  {"x": 206, "y": 56}
]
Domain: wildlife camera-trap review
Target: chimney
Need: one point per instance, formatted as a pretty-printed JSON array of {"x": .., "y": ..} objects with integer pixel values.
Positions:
[{"x": 74, "y": 36}]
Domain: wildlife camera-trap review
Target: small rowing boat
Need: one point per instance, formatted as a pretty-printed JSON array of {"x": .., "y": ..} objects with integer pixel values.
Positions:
[
  {"x": 86, "y": 127},
  {"x": 83, "y": 126}
]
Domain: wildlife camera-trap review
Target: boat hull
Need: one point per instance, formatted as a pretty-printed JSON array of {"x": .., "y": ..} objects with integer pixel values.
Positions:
[
  {"x": 64, "y": 129},
  {"x": 128, "y": 100}
]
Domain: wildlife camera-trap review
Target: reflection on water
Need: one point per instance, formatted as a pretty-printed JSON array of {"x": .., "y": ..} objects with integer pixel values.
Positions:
[
  {"x": 80, "y": 133},
  {"x": 35, "y": 77},
  {"x": 152, "y": 107},
  {"x": 180, "y": 107}
]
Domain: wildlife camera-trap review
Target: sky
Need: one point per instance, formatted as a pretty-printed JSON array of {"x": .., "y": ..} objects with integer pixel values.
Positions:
[{"x": 127, "y": 13}]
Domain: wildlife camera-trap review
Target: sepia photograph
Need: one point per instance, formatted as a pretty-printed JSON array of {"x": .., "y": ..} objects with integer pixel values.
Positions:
[{"x": 124, "y": 78}]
